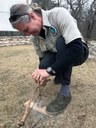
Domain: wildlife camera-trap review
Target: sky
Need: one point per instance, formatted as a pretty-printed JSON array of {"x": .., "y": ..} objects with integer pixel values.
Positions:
[{"x": 4, "y": 13}]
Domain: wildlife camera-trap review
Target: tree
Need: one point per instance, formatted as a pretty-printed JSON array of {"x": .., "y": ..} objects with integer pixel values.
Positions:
[
  {"x": 45, "y": 4},
  {"x": 76, "y": 7},
  {"x": 79, "y": 10},
  {"x": 91, "y": 20}
]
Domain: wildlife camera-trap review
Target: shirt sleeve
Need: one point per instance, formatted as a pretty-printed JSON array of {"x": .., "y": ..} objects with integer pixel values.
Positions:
[
  {"x": 67, "y": 25},
  {"x": 36, "y": 46}
]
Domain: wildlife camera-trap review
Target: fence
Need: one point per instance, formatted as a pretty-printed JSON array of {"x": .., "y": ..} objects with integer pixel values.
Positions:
[{"x": 14, "y": 40}]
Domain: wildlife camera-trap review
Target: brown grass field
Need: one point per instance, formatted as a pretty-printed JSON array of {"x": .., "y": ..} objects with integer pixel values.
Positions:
[{"x": 16, "y": 66}]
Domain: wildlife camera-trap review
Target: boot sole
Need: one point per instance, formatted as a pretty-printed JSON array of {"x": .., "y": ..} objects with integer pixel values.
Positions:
[{"x": 54, "y": 113}]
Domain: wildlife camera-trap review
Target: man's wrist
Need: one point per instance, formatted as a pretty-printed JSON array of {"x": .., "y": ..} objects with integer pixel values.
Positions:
[{"x": 50, "y": 71}]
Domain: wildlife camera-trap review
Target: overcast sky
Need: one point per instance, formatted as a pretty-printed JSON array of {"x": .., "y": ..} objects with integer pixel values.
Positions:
[{"x": 4, "y": 13}]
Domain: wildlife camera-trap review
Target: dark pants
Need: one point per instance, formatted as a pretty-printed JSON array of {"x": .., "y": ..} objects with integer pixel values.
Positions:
[{"x": 73, "y": 54}]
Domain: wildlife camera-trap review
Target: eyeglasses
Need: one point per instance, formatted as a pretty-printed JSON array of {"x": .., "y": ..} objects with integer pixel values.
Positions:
[{"x": 16, "y": 17}]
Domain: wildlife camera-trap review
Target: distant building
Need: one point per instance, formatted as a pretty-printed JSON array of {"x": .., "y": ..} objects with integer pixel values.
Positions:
[{"x": 5, "y": 25}]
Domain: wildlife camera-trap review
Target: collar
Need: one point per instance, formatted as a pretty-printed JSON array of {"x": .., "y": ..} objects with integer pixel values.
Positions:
[{"x": 46, "y": 22}]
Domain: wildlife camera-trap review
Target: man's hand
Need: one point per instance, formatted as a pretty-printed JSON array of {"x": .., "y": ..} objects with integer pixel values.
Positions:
[{"x": 40, "y": 76}]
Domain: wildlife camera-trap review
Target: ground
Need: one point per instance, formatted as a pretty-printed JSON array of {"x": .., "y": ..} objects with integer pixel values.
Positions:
[{"x": 16, "y": 66}]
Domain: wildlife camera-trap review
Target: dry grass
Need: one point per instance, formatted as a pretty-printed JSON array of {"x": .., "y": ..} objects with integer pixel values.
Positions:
[{"x": 16, "y": 65}]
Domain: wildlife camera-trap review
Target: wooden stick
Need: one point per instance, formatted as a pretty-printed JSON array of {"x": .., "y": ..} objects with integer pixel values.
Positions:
[{"x": 27, "y": 109}]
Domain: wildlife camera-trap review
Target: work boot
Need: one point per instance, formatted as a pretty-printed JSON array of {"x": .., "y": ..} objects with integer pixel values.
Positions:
[{"x": 58, "y": 105}]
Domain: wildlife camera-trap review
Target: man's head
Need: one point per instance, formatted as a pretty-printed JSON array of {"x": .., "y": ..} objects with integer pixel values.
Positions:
[{"x": 26, "y": 19}]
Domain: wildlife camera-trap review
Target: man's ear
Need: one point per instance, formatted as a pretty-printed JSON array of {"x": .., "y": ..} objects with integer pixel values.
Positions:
[{"x": 32, "y": 15}]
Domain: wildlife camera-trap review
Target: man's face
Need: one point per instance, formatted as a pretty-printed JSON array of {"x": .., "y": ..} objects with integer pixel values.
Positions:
[{"x": 33, "y": 27}]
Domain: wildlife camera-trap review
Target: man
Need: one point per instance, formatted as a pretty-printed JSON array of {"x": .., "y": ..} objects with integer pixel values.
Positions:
[{"x": 58, "y": 43}]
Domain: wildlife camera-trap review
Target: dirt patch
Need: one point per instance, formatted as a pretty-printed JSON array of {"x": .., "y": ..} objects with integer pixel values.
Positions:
[{"x": 16, "y": 66}]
